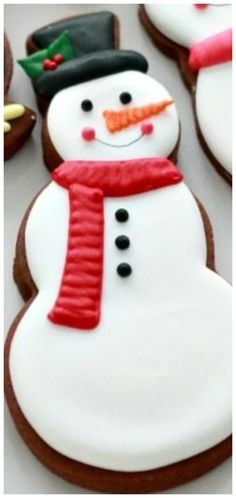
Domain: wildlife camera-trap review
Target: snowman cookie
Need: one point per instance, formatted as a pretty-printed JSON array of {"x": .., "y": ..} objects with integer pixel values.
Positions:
[
  {"x": 118, "y": 367},
  {"x": 199, "y": 38},
  {"x": 18, "y": 119}
]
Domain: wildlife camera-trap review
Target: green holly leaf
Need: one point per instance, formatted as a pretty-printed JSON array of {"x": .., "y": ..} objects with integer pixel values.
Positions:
[
  {"x": 33, "y": 64},
  {"x": 61, "y": 45}
]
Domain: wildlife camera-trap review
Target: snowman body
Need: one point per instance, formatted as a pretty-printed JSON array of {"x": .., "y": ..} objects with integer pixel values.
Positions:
[
  {"x": 150, "y": 385},
  {"x": 214, "y": 111},
  {"x": 187, "y": 25}
]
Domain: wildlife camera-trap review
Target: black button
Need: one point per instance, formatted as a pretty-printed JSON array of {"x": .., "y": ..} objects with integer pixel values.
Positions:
[
  {"x": 122, "y": 242},
  {"x": 122, "y": 215},
  {"x": 124, "y": 270}
]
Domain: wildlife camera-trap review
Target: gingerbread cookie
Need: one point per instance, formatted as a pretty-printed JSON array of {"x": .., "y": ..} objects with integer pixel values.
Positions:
[
  {"x": 118, "y": 367},
  {"x": 199, "y": 38},
  {"x": 18, "y": 119}
]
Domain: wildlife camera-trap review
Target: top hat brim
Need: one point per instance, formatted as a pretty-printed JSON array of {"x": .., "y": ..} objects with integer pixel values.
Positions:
[{"x": 88, "y": 67}]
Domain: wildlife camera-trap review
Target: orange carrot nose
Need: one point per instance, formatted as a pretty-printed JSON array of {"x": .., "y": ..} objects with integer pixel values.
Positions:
[{"x": 118, "y": 120}]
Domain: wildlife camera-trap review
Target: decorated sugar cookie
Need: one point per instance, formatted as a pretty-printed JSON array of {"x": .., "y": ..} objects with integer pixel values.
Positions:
[
  {"x": 118, "y": 367},
  {"x": 199, "y": 38},
  {"x": 18, "y": 119}
]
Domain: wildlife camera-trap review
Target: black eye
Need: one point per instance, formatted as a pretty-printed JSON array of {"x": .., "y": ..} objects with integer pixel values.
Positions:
[
  {"x": 86, "y": 105},
  {"x": 125, "y": 97}
]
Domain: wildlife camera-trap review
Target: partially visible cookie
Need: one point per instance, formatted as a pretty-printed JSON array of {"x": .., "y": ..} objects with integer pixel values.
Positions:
[
  {"x": 199, "y": 38},
  {"x": 8, "y": 64},
  {"x": 18, "y": 119},
  {"x": 18, "y": 124}
]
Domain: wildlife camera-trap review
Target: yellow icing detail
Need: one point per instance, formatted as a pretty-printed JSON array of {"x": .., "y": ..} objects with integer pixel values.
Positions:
[
  {"x": 13, "y": 111},
  {"x": 7, "y": 127}
]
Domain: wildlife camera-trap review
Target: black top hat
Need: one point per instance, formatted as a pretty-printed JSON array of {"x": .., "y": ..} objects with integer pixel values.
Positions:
[{"x": 76, "y": 50}]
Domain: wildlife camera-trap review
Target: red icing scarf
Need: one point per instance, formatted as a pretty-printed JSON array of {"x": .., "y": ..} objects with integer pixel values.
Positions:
[
  {"x": 213, "y": 50},
  {"x": 88, "y": 182}
]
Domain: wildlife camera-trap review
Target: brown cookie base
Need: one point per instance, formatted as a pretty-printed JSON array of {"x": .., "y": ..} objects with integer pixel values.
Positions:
[
  {"x": 20, "y": 131},
  {"x": 31, "y": 47},
  {"x": 101, "y": 480},
  {"x": 8, "y": 64},
  {"x": 181, "y": 55}
]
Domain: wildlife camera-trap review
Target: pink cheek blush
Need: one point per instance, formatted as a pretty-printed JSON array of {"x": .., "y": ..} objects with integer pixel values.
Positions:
[
  {"x": 88, "y": 134},
  {"x": 147, "y": 128},
  {"x": 201, "y": 5}
]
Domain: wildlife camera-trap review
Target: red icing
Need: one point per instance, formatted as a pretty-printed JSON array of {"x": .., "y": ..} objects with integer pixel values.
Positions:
[
  {"x": 147, "y": 128},
  {"x": 50, "y": 65},
  {"x": 79, "y": 299},
  {"x": 88, "y": 134},
  {"x": 78, "y": 302},
  {"x": 58, "y": 58},
  {"x": 201, "y": 5},
  {"x": 213, "y": 50}
]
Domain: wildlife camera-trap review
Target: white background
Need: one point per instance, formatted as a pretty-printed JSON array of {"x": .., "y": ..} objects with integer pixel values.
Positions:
[{"x": 25, "y": 175}]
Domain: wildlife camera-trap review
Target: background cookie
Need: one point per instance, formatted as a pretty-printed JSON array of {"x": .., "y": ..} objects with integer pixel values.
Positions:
[
  {"x": 8, "y": 64},
  {"x": 18, "y": 119},
  {"x": 211, "y": 82}
]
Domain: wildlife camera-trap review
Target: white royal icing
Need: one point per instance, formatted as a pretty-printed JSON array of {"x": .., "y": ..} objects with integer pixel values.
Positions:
[
  {"x": 214, "y": 110},
  {"x": 150, "y": 385},
  {"x": 185, "y": 25}
]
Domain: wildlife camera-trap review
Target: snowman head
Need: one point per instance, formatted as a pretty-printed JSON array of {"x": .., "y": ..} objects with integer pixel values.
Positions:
[
  {"x": 186, "y": 24},
  {"x": 101, "y": 104},
  {"x": 121, "y": 116}
]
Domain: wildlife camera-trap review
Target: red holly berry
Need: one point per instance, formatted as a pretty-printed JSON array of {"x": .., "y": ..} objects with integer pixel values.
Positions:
[
  {"x": 58, "y": 58},
  {"x": 48, "y": 64}
]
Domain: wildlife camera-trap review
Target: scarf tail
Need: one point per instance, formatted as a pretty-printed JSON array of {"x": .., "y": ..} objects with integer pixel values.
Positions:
[
  {"x": 213, "y": 50},
  {"x": 79, "y": 297}
]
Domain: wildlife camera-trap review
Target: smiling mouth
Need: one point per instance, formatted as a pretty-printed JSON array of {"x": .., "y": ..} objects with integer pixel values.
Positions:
[{"x": 120, "y": 146}]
